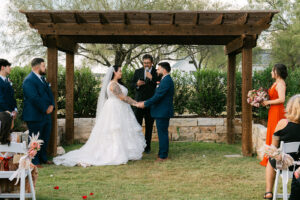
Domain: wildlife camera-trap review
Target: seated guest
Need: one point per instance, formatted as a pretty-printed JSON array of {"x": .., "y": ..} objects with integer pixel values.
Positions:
[
  {"x": 6, "y": 158},
  {"x": 287, "y": 130}
]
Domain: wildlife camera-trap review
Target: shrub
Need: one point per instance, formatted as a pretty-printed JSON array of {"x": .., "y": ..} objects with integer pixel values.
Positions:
[
  {"x": 127, "y": 76},
  {"x": 182, "y": 93},
  {"x": 209, "y": 93},
  {"x": 86, "y": 92}
]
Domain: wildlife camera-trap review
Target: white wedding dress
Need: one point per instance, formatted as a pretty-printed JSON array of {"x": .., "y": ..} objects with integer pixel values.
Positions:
[{"x": 116, "y": 137}]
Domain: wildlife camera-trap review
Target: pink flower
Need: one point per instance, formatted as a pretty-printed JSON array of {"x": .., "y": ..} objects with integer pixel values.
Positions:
[
  {"x": 296, "y": 175},
  {"x": 32, "y": 152},
  {"x": 84, "y": 197},
  {"x": 34, "y": 145},
  {"x": 91, "y": 193},
  {"x": 56, "y": 187}
]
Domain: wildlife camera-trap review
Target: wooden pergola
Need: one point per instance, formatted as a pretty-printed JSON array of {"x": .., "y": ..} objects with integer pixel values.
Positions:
[{"x": 236, "y": 30}]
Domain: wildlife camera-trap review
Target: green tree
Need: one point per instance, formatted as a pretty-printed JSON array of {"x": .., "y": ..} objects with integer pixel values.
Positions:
[{"x": 284, "y": 33}]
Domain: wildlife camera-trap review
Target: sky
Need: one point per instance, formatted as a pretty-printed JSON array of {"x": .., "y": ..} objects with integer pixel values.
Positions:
[{"x": 10, "y": 54}]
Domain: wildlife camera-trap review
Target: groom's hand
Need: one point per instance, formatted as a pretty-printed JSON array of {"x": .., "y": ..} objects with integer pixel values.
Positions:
[{"x": 141, "y": 105}]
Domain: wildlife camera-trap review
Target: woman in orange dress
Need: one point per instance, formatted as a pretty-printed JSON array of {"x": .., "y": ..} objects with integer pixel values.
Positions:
[{"x": 276, "y": 102}]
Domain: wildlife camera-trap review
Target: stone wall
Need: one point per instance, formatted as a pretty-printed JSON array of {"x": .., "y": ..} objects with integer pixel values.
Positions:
[
  {"x": 180, "y": 129},
  {"x": 259, "y": 133}
]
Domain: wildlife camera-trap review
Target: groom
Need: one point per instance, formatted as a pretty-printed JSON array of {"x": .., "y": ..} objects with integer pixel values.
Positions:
[
  {"x": 38, "y": 106},
  {"x": 161, "y": 106}
]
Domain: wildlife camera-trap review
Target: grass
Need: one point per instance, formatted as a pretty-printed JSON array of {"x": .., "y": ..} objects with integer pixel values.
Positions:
[{"x": 195, "y": 171}]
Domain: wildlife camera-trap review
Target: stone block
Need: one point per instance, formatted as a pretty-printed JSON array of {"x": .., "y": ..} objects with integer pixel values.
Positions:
[
  {"x": 206, "y": 137},
  {"x": 187, "y": 133},
  {"x": 183, "y": 122},
  {"x": 207, "y": 129},
  {"x": 210, "y": 121},
  {"x": 221, "y": 129}
]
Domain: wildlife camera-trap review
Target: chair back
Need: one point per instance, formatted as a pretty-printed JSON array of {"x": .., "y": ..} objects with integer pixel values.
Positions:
[
  {"x": 14, "y": 147},
  {"x": 291, "y": 147}
]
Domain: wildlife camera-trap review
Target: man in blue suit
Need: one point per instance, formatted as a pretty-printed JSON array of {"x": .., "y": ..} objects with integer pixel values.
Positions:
[
  {"x": 7, "y": 99},
  {"x": 38, "y": 106},
  {"x": 161, "y": 107}
]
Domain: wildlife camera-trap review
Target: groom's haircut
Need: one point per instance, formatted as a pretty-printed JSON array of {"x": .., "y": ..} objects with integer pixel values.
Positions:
[
  {"x": 36, "y": 61},
  {"x": 4, "y": 63},
  {"x": 148, "y": 56},
  {"x": 165, "y": 65}
]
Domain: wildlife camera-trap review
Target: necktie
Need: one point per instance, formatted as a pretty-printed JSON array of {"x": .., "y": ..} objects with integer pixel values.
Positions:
[
  {"x": 43, "y": 79},
  {"x": 6, "y": 80}
]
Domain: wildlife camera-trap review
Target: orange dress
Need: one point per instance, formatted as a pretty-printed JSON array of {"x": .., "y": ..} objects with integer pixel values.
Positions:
[{"x": 276, "y": 113}]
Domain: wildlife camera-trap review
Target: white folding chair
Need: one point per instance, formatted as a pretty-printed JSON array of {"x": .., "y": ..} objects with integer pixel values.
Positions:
[
  {"x": 17, "y": 148},
  {"x": 291, "y": 147}
]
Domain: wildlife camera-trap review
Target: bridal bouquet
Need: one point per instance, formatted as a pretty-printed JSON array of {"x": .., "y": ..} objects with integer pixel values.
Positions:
[
  {"x": 256, "y": 97},
  {"x": 25, "y": 161}
]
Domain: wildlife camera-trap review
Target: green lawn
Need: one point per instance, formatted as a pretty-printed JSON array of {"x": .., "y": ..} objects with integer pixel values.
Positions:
[{"x": 195, "y": 171}]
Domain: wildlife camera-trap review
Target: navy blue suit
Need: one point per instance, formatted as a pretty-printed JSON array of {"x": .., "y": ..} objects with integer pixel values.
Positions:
[
  {"x": 37, "y": 98},
  {"x": 7, "y": 99},
  {"x": 161, "y": 106}
]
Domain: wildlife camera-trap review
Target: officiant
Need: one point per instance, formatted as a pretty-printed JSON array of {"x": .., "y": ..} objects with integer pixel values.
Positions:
[{"x": 144, "y": 83}]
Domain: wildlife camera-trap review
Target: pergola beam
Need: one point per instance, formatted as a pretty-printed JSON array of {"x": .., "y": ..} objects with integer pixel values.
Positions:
[
  {"x": 218, "y": 20},
  {"x": 237, "y": 44},
  {"x": 64, "y": 44},
  {"x": 246, "y": 107},
  {"x": 146, "y": 29},
  {"x": 231, "y": 94},
  {"x": 243, "y": 19},
  {"x": 52, "y": 60},
  {"x": 69, "y": 137}
]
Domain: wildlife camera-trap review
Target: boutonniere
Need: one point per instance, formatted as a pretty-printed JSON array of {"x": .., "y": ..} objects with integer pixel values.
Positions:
[
  {"x": 49, "y": 84},
  {"x": 157, "y": 84},
  {"x": 11, "y": 84}
]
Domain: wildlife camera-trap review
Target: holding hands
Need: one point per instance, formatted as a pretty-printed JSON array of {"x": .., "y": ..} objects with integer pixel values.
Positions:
[{"x": 140, "y": 104}]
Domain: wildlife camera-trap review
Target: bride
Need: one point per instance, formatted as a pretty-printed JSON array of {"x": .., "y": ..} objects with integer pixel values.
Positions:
[{"x": 116, "y": 137}]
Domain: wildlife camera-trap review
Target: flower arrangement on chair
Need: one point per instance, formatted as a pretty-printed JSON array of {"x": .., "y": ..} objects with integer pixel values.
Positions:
[
  {"x": 256, "y": 97},
  {"x": 285, "y": 160},
  {"x": 25, "y": 161}
]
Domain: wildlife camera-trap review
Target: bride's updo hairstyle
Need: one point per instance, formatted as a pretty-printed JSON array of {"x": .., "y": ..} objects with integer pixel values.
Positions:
[
  {"x": 281, "y": 70},
  {"x": 116, "y": 68}
]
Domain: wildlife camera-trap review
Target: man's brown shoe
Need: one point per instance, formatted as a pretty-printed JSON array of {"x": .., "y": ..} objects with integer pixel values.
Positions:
[
  {"x": 49, "y": 162},
  {"x": 161, "y": 159},
  {"x": 39, "y": 166}
]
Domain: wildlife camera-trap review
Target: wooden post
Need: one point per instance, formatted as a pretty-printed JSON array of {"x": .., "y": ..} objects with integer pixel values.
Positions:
[
  {"x": 69, "y": 138},
  {"x": 231, "y": 97},
  {"x": 246, "y": 108},
  {"x": 52, "y": 78}
]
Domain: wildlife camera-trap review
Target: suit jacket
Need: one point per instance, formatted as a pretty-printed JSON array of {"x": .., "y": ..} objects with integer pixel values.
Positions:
[
  {"x": 161, "y": 104},
  {"x": 145, "y": 91},
  {"x": 7, "y": 99},
  {"x": 37, "y": 98}
]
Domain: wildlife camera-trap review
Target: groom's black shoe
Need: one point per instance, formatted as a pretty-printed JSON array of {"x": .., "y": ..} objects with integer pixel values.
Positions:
[{"x": 147, "y": 151}]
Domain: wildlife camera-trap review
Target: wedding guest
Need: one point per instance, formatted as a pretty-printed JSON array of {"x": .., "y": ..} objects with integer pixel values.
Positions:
[
  {"x": 7, "y": 99},
  {"x": 6, "y": 158},
  {"x": 38, "y": 106},
  {"x": 144, "y": 82},
  {"x": 287, "y": 130},
  {"x": 276, "y": 102}
]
